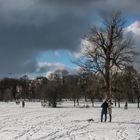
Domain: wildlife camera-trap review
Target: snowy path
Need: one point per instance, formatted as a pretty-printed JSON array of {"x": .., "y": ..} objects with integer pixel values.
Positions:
[{"x": 36, "y": 123}]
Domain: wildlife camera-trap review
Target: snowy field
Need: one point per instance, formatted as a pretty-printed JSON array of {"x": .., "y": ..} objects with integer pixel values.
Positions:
[{"x": 66, "y": 123}]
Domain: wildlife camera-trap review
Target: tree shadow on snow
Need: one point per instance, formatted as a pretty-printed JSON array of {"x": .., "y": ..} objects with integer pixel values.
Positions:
[{"x": 126, "y": 122}]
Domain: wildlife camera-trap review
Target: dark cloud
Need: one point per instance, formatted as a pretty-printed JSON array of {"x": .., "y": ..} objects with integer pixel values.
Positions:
[
  {"x": 134, "y": 32},
  {"x": 28, "y": 27},
  {"x": 72, "y": 4}
]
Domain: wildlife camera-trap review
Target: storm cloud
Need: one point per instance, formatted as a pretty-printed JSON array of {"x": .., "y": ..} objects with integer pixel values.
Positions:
[{"x": 29, "y": 27}]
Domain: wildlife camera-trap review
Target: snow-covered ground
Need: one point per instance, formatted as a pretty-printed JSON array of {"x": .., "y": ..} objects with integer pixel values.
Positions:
[{"x": 66, "y": 123}]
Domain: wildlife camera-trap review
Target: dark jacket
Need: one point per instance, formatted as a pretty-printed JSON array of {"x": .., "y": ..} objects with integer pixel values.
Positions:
[{"x": 104, "y": 107}]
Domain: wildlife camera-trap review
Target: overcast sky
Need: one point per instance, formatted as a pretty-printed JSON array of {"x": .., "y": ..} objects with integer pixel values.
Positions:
[{"x": 39, "y": 36}]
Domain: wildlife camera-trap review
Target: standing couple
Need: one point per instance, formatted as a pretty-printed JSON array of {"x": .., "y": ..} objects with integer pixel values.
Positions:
[{"x": 106, "y": 107}]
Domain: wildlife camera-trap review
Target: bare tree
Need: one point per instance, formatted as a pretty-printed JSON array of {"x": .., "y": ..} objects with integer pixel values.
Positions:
[
  {"x": 54, "y": 88},
  {"x": 106, "y": 48}
]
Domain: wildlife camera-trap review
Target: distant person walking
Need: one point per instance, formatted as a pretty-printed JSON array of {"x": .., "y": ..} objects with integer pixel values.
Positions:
[
  {"x": 23, "y": 103},
  {"x": 110, "y": 110},
  {"x": 104, "y": 111}
]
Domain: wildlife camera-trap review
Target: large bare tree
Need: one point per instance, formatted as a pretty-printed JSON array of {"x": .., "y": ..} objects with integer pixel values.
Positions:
[{"x": 107, "y": 48}]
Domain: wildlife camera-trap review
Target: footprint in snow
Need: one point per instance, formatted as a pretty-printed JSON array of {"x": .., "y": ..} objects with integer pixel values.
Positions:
[
  {"x": 122, "y": 134},
  {"x": 138, "y": 134}
]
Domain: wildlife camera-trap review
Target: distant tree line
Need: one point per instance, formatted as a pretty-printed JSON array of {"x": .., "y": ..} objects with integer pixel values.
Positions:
[{"x": 60, "y": 85}]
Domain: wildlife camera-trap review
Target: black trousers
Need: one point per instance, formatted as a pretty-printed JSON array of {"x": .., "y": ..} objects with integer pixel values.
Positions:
[
  {"x": 103, "y": 115},
  {"x": 110, "y": 117}
]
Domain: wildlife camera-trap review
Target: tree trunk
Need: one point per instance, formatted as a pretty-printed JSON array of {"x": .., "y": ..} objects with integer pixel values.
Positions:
[
  {"x": 138, "y": 101},
  {"x": 74, "y": 102},
  {"x": 107, "y": 77},
  {"x": 119, "y": 103},
  {"x": 92, "y": 101},
  {"x": 77, "y": 101},
  {"x": 54, "y": 104},
  {"x": 126, "y": 105},
  {"x": 115, "y": 103},
  {"x": 85, "y": 98}
]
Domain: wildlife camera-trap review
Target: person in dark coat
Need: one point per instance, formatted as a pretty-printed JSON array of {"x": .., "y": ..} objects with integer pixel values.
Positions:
[
  {"x": 104, "y": 110},
  {"x": 23, "y": 103}
]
